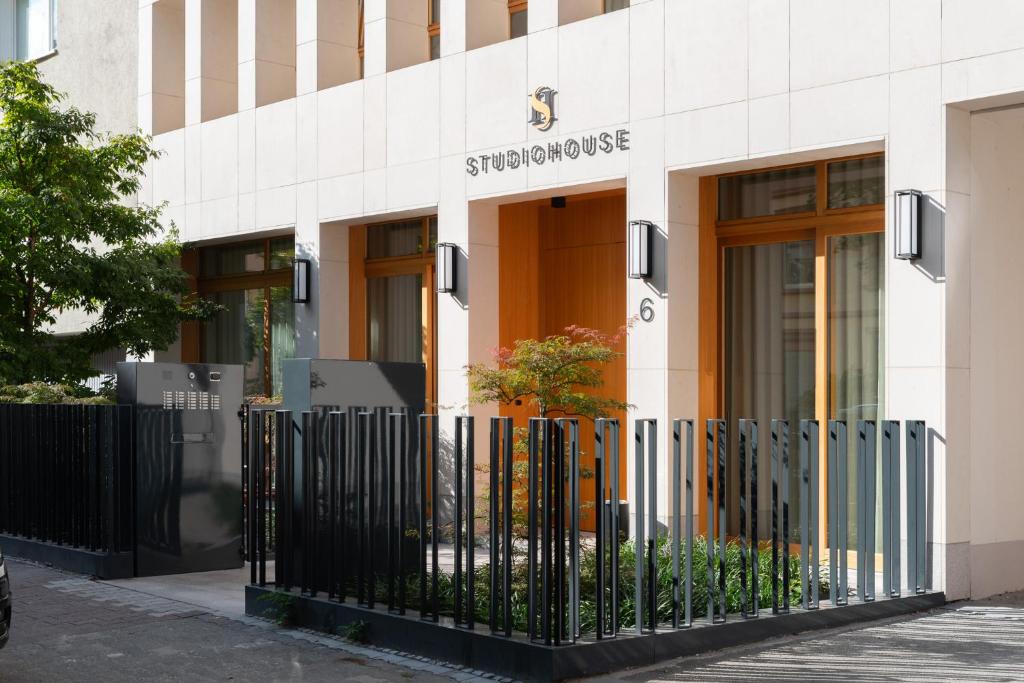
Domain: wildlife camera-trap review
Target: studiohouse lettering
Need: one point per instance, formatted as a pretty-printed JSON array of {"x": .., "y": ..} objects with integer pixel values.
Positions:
[{"x": 542, "y": 153}]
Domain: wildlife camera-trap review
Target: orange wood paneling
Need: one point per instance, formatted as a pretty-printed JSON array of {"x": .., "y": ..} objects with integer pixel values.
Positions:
[{"x": 561, "y": 267}]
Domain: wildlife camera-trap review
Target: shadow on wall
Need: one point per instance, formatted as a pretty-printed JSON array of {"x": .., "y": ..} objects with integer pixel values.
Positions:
[
  {"x": 933, "y": 240},
  {"x": 658, "y": 282},
  {"x": 461, "y": 293}
]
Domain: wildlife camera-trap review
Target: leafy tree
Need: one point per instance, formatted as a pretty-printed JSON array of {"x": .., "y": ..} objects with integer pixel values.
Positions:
[
  {"x": 69, "y": 240},
  {"x": 559, "y": 376}
]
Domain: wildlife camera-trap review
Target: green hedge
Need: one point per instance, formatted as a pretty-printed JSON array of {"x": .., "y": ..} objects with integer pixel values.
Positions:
[
  {"x": 41, "y": 392},
  {"x": 627, "y": 563}
]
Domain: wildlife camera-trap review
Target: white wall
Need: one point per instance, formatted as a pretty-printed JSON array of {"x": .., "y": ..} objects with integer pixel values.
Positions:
[{"x": 996, "y": 475}]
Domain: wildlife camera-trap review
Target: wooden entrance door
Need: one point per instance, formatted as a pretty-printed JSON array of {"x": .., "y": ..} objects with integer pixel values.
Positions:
[{"x": 562, "y": 267}]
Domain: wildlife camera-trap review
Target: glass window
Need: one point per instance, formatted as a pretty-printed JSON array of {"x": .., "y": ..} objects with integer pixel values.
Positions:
[
  {"x": 518, "y": 24},
  {"x": 856, "y": 182},
  {"x": 856, "y": 294},
  {"x": 770, "y": 347},
  {"x": 612, "y": 5},
  {"x": 771, "y": 193},
  {"x": 432, "y": 234},
  {"x": 235, "y": 335},
  {"x": 282, "y": 335},
  {"x": 33, "y": 28},
  {"x": 282, "y": 252},
  {"x": 233, "y": 259},
  {"x": 395, "y": 318},
  {"x": 394, "y": 239}
]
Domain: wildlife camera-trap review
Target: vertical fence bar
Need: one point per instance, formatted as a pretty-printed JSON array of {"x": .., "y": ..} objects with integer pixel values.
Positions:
[
  {"x": 805, "y": 526},
  {"x": 507, "y": 460},
  {"x": 531, "y": 524},
  {"x": 815, "y": 517},
  {"x": 916, "y": 511},
  {"x": 866, "y": 510},
  {"x": 342, "y": 458},
  {"x": 559, "y": 502},
  {"x": 435, "y": 517},
  {"x": 688, "y": 586},
  {"x": 652, "y": 524},
  {"x": 421, "y": 446},
  {"x": 403, "y": 502},
  {"x": 285, "y": 449},
  {"x": 677, "y": 426},
  {"x": 709, "y": 444},
  {"x": 259, "y": 490},
  {"x": 843, "y": 468},
  {"x": 638, "y": 480},
  {"x": 492, "y": 521},
  {"x": 860, "y": 466},
  {"x": 599, "y": 531},
  {"x": 457, "y": 570},
  {"x": 837, "y": 466},
  {"x": 614, "y": 437},
  {"x": 891, "y": 509},
  {"x": 871, "y": 497},
  {"x": 574, "y": 530},
  {"x": 754, "y": 538},
  {"x": 774, "y": 467},
  {"x": 743, "y": 514},
  {"x": 389, "y": 466},
  {"x": 548, "y": 487},
  {"x": 252, "y": 444},
  {"x": 723, "y": 442},
  {"x": 332, "y": 501},
  {"x": 470, "y": 523}
]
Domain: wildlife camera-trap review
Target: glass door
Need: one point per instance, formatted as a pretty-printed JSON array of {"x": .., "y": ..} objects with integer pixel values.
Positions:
[
  {"x": 792, "y": 312},
  {"x": 769, "y": 336},
  {"x": 856, "y": 291}
]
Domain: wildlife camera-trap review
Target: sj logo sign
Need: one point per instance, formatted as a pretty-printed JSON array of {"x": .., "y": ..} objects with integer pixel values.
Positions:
[{"x": 542, "y": 108}]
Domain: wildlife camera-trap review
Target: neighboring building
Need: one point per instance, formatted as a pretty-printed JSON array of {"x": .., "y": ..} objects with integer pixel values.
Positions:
[
  {"x": 763, "y": 140},
  {"x": 89, "y": 50}
]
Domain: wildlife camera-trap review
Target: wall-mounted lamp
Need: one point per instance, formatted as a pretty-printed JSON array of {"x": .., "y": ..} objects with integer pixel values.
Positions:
[
  {"x": 640, "y": 235},
  {"x": 445, "y": 267},
  {"x": 300, "y": 281},
  {"x": 908, "y": 224}
]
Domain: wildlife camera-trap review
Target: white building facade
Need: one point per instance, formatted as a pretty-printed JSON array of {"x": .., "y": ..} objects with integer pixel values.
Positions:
[{"x": 349, "y": 126}]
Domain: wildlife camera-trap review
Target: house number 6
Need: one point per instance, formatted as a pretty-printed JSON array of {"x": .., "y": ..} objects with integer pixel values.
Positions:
[{"x": 647, "y": 310}]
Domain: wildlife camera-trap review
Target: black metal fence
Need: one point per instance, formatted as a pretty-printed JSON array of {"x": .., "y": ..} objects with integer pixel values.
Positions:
[
  {"x": 358, "y": 516},
  {"x": 66, "y": 475}
]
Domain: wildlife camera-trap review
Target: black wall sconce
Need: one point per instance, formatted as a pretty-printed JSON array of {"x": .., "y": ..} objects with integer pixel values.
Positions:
[
  {"x": 639, "y": 243},
  {"x": 300, "y": 281},
  {"x": 445, "y": 267},
  {"x": 908, "y": 224}
]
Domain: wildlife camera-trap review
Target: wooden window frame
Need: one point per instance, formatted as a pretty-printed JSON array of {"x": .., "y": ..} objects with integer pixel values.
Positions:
[
  {"x": 192, "y": 332},
  {"x": 433, "y": 26},
  {"x": 359, "y": 41},
  {"x": 716, "y": 236},
  {"x": 362, "y": 267},
  {"x": 515, "y": 7}
]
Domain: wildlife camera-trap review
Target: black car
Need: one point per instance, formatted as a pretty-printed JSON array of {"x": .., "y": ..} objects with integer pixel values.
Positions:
[{"x": 5, "y": 602}]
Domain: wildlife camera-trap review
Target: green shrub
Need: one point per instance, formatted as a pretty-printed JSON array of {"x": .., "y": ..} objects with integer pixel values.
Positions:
[
  {"x": 626, "y": 575},
  {"x": 42, "y": 392}
]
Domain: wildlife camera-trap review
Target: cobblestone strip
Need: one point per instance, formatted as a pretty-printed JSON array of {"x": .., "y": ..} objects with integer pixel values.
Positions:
[{"x": 157, "y": 606}]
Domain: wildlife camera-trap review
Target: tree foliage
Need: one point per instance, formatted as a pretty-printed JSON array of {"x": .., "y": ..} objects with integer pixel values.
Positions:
[
  {"x": 558, "y": 374},
  {"x": 69, "y": 239}
]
